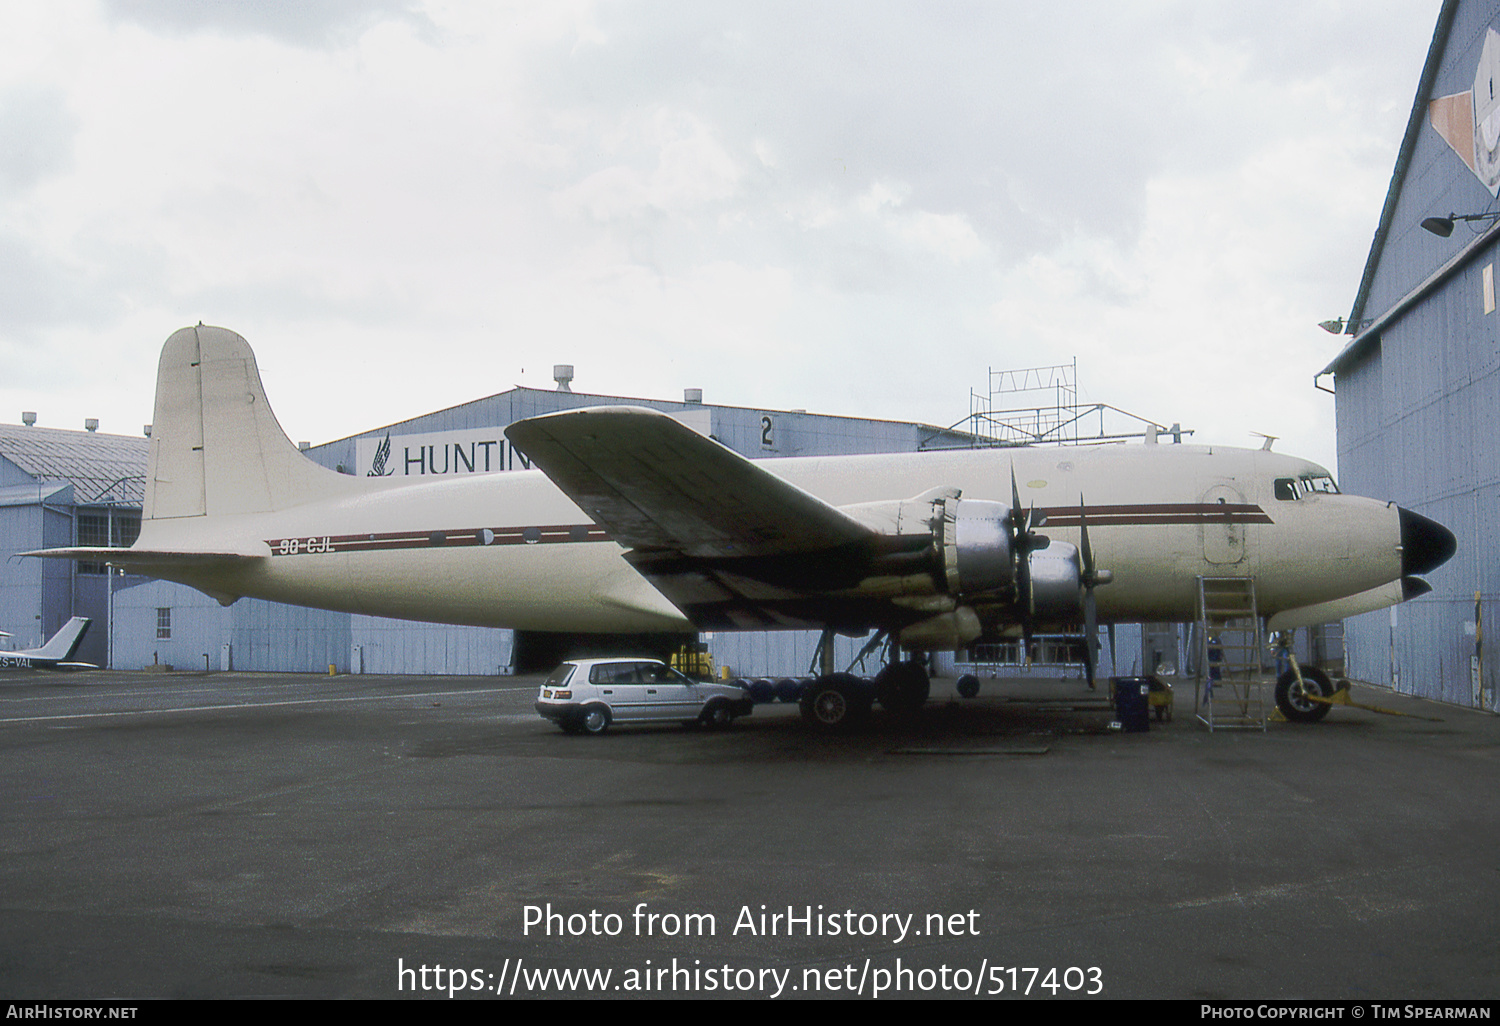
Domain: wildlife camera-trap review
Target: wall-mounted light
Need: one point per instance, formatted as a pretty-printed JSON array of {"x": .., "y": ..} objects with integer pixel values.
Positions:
[
  {"x": 1443, "y": 226},
  {"x": 1338, "y": 326}
]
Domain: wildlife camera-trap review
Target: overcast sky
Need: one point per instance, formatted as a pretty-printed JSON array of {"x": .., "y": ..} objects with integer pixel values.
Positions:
[{"x": 853, "y": 208}]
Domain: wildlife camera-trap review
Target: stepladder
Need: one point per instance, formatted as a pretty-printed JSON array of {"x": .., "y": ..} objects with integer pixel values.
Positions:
[{"x": 1230, "y": 650}]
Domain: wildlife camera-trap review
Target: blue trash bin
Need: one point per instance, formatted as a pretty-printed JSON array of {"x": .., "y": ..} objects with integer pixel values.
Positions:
[{"x": 1132, "y": 703}]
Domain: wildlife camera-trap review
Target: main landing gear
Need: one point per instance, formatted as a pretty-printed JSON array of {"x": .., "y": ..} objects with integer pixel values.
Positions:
[
  {"x": 837, "y": 702},
  {"x": 903, "y": 687}
]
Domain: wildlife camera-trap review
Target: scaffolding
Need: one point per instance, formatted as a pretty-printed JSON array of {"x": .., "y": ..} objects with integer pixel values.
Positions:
[{"x": 1039, "y": 406}]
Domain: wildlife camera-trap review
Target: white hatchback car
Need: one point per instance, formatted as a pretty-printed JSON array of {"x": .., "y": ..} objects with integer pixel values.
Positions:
[{"x": 584, "y": 696}]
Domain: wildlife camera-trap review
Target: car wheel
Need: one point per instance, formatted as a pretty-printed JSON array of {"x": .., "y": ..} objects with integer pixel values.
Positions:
[
  {"x": 595, "y": 719},
  {"x": 1292, "y": 699},
  {"x": 968, "y": 686},
  {"x": 718, "y": 716}
]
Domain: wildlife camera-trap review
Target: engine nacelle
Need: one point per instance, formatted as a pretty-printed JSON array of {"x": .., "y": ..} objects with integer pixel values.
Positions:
[
  {"x": 978, "y": 555},
  {"x": 1056, "y": 576},
  {"x": 947, "y": 557},
  {"x": 950, "y": 631}
]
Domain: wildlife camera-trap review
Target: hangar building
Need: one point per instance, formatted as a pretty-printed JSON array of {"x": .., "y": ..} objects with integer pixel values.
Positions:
[
  {"x": 64, "y": 488},
  {"x": 1418, "y": 384}
]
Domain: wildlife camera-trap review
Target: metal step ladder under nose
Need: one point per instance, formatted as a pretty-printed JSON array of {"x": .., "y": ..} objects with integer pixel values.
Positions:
[{"x": 1230, "y": 656}]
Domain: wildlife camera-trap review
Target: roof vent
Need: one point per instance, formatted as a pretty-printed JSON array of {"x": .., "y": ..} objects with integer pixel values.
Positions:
[
  {"x": 693, "y": 396},
  {"x": 28, "y": 417},
  {"x": 91, "y": 424},
  {"x": 562, "y": 373}
]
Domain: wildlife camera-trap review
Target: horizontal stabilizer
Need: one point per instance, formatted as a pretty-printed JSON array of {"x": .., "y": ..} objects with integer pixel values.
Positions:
[{"x": 141, "y": 559}]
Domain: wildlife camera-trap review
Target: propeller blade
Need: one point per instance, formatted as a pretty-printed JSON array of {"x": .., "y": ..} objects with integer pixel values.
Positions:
[
  {"x": 1085, "y": 548},
  {"x": 1021, "y": 543},
  {"x": 1090, "y": 607},
  {"x": 1091, "y": 634},
  {"x": 1092, "y": 576}
]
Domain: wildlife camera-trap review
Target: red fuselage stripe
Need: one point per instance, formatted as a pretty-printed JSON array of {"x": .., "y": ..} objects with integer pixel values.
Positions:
[{"x": 1163, "y": 514}]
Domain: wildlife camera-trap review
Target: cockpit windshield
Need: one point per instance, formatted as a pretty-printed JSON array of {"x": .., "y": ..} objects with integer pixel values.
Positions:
[{"x": 1288, "y": 488}]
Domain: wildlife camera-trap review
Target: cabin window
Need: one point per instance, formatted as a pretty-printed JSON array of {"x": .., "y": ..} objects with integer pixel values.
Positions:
[
  {"x": 1286, "y": 488},
  {"x": 1321, "y": 483}
]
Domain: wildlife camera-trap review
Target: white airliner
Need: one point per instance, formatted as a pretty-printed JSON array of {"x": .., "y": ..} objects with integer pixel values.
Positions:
[
  {"x": 636, "y": 523},
  {"x": 56, "y": 654}
]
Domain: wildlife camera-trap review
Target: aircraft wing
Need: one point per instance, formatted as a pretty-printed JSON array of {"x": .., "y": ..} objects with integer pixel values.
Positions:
[
  {"x": 655, "y": 483},
  {"x": 727, "y": 542}
]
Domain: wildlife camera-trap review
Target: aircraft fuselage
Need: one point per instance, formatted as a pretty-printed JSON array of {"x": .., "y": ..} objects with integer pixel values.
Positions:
[
  {"x": 510, "y": 550},
  {"x": 640, "y": 524}
]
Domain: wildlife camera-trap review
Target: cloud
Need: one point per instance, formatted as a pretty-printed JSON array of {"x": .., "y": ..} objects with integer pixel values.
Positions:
[
  {"x": 310, "y": 23},
  {"x": 837, "y": 206},
  {"x": 36, "y": 136},
  {"x": 39, "y": 290}
]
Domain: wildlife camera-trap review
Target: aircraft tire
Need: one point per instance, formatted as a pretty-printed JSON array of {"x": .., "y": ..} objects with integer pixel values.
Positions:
[
  {"x": 903, "y": 687},
  {"x": 968, "y": 686},
  {"x": 594, "y": 719},
  {"x": 1290, "y": 700},
  {"x": 836, "y": 703}
]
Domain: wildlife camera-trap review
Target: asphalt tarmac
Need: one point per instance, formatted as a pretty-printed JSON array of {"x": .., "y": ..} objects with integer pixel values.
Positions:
[{"x": 241, "y": 835}]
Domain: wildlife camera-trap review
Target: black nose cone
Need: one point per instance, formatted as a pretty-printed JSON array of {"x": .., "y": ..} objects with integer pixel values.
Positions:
[{"x": 1425, "y": 544}]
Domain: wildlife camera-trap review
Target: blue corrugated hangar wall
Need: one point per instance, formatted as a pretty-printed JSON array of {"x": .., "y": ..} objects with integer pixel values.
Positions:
[{"x": 1418, "y": 386}]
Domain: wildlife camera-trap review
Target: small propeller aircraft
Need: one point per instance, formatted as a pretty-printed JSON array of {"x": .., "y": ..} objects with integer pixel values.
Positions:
[
  {"x": 636, "y": 523},
  {"x": 56, "y": 654}
]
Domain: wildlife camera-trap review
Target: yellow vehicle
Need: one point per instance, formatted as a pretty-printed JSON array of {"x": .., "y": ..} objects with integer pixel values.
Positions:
[{"x": 693, "y": 660}]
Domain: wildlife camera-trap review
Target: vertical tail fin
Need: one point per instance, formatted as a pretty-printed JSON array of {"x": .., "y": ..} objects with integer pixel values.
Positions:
[
  {"x": 216, "y": 447},
  {"x": 65, "y": 642}
]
